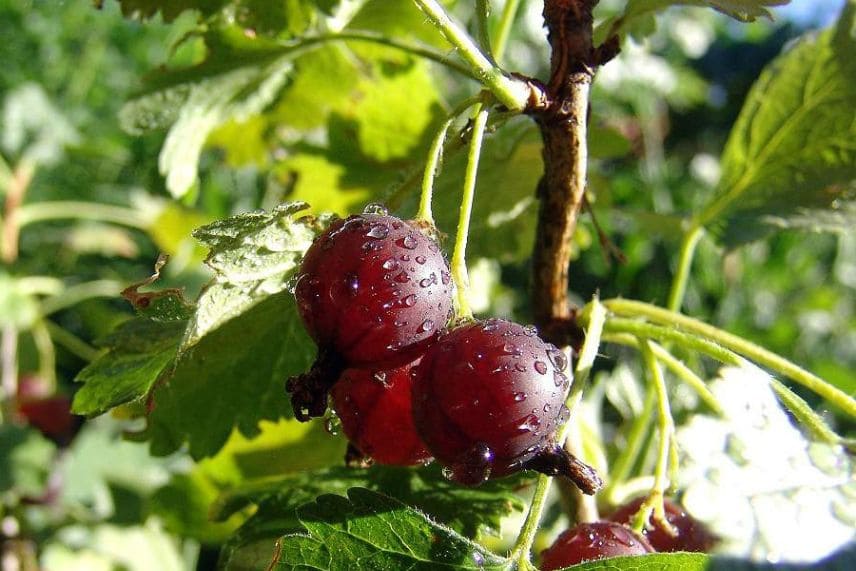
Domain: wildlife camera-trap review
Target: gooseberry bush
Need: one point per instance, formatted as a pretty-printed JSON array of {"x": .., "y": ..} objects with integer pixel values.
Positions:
[{"x": 352, "y": 389}]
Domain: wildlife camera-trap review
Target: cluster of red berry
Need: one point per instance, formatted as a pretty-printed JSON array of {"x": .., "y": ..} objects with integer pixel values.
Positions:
[
  {"x": 613, "y": 537},
  {"x": 483, "y": 398}
]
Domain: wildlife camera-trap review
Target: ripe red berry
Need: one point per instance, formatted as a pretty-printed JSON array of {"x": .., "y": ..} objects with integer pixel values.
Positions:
[
  {"x": 376, "y": 414},
  {"x": 692, "y": 534},
  {"x": 371, "y": 290},
  {"x": 487, "y": 400},
  {"x": 593, "y": 541}
]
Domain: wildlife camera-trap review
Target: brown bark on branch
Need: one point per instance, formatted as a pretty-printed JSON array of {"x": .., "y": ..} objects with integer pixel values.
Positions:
[{"x": 562, "y": 119}]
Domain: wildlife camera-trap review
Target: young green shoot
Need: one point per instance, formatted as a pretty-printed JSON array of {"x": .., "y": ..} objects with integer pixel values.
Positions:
[{"x": 459, "y": 261}]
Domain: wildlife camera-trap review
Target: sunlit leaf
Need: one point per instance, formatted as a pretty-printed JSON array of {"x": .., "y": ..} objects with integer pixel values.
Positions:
[{"x": 792, "y": 152}]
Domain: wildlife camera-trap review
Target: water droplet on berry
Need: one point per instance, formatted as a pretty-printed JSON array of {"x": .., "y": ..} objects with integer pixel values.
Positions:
[
  {"x": 402, "y": 277},
  {"x": 511, "y": 349},
  {"x": 425, "y": 282},
  {"x": 559, "y": 379},
  {"x": 405, "y": 258},
  {"x": 445, "y": 277},
  {"x": 530, "y": 331},
  {"x": 409, "y": 301},
  {"x": 353, "y": 283},
  {"x": 333, "y": 424},
  {"x": 530, "y": 423},
  {"x": 420, "y": 259},
  {"x": 390, "y": 265},
  {"x": 520, "y": 367},
  {"x": 378, "y": 231},
  {"x": 558, "y": 359},
  {"x": 408, "y": 242},
  {"x": 376, "y": 208},
  {"x": 541, "y": 367},
  {"x": 519, "y": 397},
  {"x": 291, "y": 283},
  {"x": 426, "y": 326},
  {"x": 434, "y": 248}
]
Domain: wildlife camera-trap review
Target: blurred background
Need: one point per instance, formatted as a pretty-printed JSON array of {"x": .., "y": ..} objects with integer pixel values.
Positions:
[{"x": 86, "y": 213}]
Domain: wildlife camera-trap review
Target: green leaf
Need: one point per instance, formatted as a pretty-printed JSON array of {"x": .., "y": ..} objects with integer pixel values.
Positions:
[
  {"x": 25, "y": 461},
  {"x": 169, "y": 9},
  {"x": 233, "y": 376},
  {"x": 372, "y": 531},
  {"x": 651, "y": 562},
  {"x": 253, "y": 255},
  {"x": 743, "y": 10},
  {"x": 425, "y": 489},
  {"x": 138, "y": 352},
  {"x": 239, "y": 78},
  {"x": 792, "y": 151}
]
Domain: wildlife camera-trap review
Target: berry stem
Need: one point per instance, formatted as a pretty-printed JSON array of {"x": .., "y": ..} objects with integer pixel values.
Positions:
[
  {"x": 459, "y": 262},
  {"x": 682, "y": 272},
  {"x": 523, "y": 546},
  {"x": 692, "y": 330},
  {"x": 636, "y": 437},
  {"x": 513, "y": 93},
  {"x": 509, "y": 12},
  {"x": 676, "y": 366},
  {"x": 435, "y": 158},
  {"x": 666, "y": 452},
  {"x": 482, "y": 22}
]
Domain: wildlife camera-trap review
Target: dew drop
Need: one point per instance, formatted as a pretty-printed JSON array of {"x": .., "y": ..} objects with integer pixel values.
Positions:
[
  {"x": 558, "y": 359},
  {"x": 333, "y": 424},
  {"x": 488, "y": 326},
  {"x": 519, "y": 397},
  {"x": 547, "y": 407},
  {"x": 530, "y": 423},
  {"x": 396, "y": 225},
  {"x": 352, "y": 282},
  {"x": 420, "y": 259},
  {"x": 478, "y": 559},
  {"x": 559, "y": 379},
  {"x": 511, "y": 349},
  {"x": 408, "y": 242},
  {"x": 390, "y": 265},
  {"x": 405, "y": 258},
  {"x": 426, "y": 326},
  {"x": 530, "y": 331},
  {"x": 409, "y": 301},
  {"x": 541, "y": 367},
  {"x": 378, "y": 231},
  {"x": 520, "y": 367},
  {"x": 446, "y": 278},
  {"x": 433, "y": 248},
  {"x": 425, "y": 282},
  {"x": 291, "y": 283},
  {"x": 376, "y": 208},
  {"x": 402, "y": 277},
  {"x": 473, "y": 467}
]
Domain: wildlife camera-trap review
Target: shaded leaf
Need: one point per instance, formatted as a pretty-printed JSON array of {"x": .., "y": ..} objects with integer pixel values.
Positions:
[
  {"x": 25, "y": 461},
  {"x": 372, "y": 531},
  {"x": 138, "y": 352},
  {"x": 650, "y": 562},
  {"x": 792, "y": 152},
  {"x": 169, "y": 9},
  {"x": 211, "y": 390}
]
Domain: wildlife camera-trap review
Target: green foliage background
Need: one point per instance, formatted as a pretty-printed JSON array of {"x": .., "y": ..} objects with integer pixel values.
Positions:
[{"x": 147, "y": 121}]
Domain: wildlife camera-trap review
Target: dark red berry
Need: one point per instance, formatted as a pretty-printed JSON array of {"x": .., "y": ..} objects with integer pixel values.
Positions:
[
  {"x": 487, "y": 400},
  {"x": 692, "y": 534},
  {"x": 593, "y": 541},
  {"x": 52, "y": 417},
  {"x": 376, "y": 414},
  {"x": 372, "y": 291}
]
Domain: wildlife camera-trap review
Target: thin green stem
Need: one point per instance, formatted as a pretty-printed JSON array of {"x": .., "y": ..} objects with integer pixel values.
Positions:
[
  {"x": 454, "y": 145},
  {"x": 459, "y": 261},
  {"x": 666, "y": 428},
  {"x": 736, "y": 344},
  {"x": 521, "y": 552},
  {"x": 676, "y": 366},
  {"x": 670, "y": 335},
  {"x": 509, "y": 12},
  {"x": 8, "y": 372},
  {"x": 513, "y": 93},
  {"x": 682, "y": 272},
  {"x": 68, "y": 209},
  {"x": 435, "y": 158},
  {"x": 482, "y": 23},
  {"x": 628, "y": 456},
  {"x": 81, "y": 292},
  {"x": 804, "y": 414},
  {"x": 46, "y": 350},
  {"x": 409, "y": 47},
  {"x": 74, "y": 344}
]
